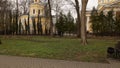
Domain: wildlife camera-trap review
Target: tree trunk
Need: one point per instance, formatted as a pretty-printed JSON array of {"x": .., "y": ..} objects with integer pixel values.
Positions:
[
  {"x": 51, "y": 21},
  {"x": 83, "y": 22},
  {"x": 17, "y": 17},
  {"x": 10, "y": 16},
  {"x": 78, "y": 18},
  {"x": 4, "y": 23},
  {"x": 20, "y": 27},
  {"x": 34, "y": 26},
  {"x": 28, "y": 24},
  {"x": 38, "y": 24}
]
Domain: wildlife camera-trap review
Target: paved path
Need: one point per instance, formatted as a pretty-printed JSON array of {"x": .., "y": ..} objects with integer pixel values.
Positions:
[{"x": 26, "y": 62}]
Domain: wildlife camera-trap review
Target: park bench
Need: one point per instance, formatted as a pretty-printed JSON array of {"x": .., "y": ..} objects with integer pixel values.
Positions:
[{"x": 114, "y": 52}]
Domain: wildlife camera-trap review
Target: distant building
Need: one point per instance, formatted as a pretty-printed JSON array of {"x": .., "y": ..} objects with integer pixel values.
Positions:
[
  {"x": 35, "y": 9},
  {"x": 105, "y": 6},
  {"x": 88, "y": 23}
]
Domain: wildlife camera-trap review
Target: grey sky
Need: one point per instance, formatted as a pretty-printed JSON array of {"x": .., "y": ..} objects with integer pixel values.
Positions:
[{"x": 92, "y": 3}]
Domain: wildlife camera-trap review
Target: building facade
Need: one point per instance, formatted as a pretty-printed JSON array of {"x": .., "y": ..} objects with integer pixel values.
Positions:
[
  {"x": 36, "y": 14},
  {"x": 105, "y": 6}
]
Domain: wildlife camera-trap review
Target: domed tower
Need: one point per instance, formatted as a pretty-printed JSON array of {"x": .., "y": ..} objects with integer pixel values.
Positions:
[
  {"x": 36, "y": 8},
  {"x": 36, "y": 17}
]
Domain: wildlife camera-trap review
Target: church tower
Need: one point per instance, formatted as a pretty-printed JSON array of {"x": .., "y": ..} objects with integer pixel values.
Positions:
[
  {"x": 38, "y": 23},
  {"x": 36, "y": 1}
]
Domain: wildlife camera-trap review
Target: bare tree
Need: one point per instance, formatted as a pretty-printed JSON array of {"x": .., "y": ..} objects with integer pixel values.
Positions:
[
  {"x": 28, "y": 23},
  {"x": 78, "y": 17},
  {"x": 24, "y": 5},
  {"x": 83, "y": 22},
  {"x": 81, "y": 25},
  {"x": 76, "y": 5},
  {"x": 47, "y": 15},
  {"x": 17, "y": 14},
  {"x": 5, "y": 16},
  {"x": 56, "y": 7},
  {"x": 51, "y": 21}
]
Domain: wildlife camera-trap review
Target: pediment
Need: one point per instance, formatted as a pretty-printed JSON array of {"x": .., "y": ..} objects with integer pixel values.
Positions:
[{"x": 116, "y": 3}]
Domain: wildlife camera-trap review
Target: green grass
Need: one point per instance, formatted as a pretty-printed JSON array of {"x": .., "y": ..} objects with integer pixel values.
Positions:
[{"x": 56, "y": 48}]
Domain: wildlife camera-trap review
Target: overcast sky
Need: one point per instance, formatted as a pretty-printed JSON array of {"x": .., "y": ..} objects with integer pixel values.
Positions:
[{"x": 92, "y": 3}]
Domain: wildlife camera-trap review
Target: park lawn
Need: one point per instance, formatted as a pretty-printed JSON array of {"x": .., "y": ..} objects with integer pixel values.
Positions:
[{"x": 56, "y": 48}]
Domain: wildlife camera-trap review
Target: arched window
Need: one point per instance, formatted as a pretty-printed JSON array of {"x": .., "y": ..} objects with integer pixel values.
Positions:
[
  {"x": 39, "y": 11},
  {"x": 33, "y": 11}
]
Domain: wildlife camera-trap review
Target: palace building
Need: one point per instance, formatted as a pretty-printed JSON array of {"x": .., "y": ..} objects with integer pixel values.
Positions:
[
  {"x": 36, "y": 18},
  {"x": 105, "y": 6},
  {"x": 37, "y": 12}
]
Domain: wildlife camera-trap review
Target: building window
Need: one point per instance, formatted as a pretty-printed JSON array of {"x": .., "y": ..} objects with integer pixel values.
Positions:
[
  {"x": 33, "y": 11},
  {"x": 38, "y": 11}
]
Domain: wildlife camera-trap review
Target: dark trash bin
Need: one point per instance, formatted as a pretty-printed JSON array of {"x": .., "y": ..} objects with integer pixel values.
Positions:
[
  {"x": 114, "y": 52},
  {"x": 110, "y": 52}
]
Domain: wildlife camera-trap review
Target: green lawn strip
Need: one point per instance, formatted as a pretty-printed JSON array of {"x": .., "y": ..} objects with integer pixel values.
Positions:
[{"x": 57, "y": 48}]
